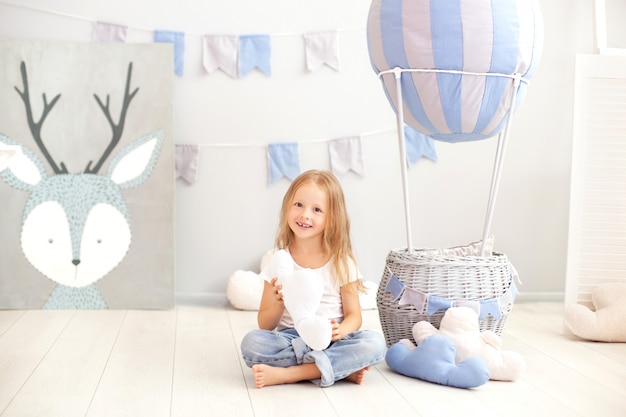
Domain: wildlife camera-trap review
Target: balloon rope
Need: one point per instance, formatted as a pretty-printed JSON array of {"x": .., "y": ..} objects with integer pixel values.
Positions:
[
  {"x": 403, "y": 167},
  {"x": 497, "y": 169},
  {"x": 516, "y": 77}
]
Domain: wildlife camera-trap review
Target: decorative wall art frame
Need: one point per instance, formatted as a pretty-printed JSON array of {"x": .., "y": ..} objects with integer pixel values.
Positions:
[{"x": 87, "y": 198}]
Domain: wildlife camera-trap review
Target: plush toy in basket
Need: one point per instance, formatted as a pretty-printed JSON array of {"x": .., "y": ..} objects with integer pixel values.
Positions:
[{"x": 423, "y": 284}]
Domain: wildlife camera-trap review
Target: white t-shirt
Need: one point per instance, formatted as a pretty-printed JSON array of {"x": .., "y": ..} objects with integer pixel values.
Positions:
[{"x": 330, "y": 305}]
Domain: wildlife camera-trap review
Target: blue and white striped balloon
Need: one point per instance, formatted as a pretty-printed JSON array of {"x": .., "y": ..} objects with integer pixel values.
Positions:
[{"x": 467, "y": 39}]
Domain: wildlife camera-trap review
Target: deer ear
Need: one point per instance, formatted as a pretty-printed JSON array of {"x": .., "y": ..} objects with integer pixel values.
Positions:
[
  {"x": 134, "y": 163},
  {"x": 19, "y": 167}
]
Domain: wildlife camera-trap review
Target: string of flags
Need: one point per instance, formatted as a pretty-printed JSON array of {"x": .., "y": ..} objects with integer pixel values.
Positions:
[
  {"x": 283, "y": 158},
  {"x": 430, "y": 304},
  {"x": 237, "y": 56}
]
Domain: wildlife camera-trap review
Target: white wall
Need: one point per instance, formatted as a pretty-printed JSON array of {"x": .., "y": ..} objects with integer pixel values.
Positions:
[{"x": 226, "y": 220}]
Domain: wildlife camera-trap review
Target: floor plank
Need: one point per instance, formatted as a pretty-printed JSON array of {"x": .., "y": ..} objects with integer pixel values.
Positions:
[
  {"x": 137, "y": 380},
  {"x": 24, "y": 345},
  {"x": 283, "y": 400},
  {"x": 207, "y": 371},
  {"x": 573, "y": 375},
  {"x": 187, "y": 362},
  {"x": 8, "y": 318},
  {"x": 75, "y": 363}
]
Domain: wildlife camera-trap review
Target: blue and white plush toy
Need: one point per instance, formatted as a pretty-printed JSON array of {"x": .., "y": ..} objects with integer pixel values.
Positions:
[{"x": 433, "y": 361}]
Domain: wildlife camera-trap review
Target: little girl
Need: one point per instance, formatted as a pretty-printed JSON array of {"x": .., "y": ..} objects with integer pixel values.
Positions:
[{"x": 314, "y": 229}]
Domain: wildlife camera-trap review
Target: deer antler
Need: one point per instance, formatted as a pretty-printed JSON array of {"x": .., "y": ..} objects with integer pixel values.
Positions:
[
  {"x": 35, "y": 127},
  {"x": 116, "y": 128}
]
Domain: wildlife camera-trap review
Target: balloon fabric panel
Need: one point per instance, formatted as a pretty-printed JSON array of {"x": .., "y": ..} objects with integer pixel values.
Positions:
[{"x": 461, "y": 43}]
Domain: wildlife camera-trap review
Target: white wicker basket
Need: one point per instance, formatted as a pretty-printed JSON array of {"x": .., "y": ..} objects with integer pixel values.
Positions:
[{"x": 445, "y": 274}]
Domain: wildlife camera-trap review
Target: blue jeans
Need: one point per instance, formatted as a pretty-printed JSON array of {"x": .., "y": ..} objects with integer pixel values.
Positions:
[{"x": 342, "y": 358}]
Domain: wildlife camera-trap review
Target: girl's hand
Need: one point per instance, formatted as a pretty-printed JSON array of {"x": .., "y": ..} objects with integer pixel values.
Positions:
[
  {"x": 278, "y": 295},
  {"x": 272, "y": 306},
  {"x": 336, "y": 331}
]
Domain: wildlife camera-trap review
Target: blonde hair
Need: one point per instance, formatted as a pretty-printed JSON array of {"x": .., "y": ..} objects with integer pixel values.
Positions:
[{"x": 336, "y": 236}]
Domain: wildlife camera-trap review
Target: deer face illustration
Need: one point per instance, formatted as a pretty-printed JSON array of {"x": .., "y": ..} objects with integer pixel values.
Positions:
[{"x": 76, "y": 227}]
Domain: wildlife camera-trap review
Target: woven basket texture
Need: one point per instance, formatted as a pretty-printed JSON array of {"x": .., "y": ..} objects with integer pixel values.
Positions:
[{"x": 434, "y": 272}]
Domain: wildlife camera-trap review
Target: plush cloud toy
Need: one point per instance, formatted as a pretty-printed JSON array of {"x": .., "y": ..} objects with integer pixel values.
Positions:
[
  {"x": 461, "y": 324},
  {"x": 433, "y": 361},
  {"x": 608, "y": 322},
  {"x": 302, "y": 293}
]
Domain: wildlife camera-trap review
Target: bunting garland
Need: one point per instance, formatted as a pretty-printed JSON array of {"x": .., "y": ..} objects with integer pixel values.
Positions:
[
  {"x": 283, "y": 158},
  {"x": 430, "y": 304},
  {"x": 237, "y": 56}
]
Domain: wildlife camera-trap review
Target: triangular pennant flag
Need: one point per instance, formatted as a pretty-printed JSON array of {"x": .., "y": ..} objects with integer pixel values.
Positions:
[
  {"x": 220, "y": 51},
  {"x": 108, "y": 32},
  {"x": 489, "y": 307},
  {"x": 255, "y": 52},
  {"x": 284, "y": 161},
  {"x": 394, "y": 286},
  {"x": 345, "y": 155},
  {"x": 178, "y": 39},
  {"x": 415, "y": 298},
  {"x": 321, "y": 48},
  {"x": 436, "y": 303},
  {"x": 418, "y": 145},
  {"x": 187, "y": 162},
  {"x": 506, "y": 300}
]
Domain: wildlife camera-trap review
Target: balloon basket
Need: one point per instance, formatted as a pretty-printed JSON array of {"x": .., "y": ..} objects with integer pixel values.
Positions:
[{"x": 421, "y": 284}]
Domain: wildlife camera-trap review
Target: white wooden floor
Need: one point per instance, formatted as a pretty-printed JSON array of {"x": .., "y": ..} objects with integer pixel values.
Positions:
[{"x": 186, "y": 362}]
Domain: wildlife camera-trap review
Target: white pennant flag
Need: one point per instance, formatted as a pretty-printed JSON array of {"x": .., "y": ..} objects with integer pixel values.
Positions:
[
  {"x": 220, "y": 51},
  {"x": 322, "y": 48},
  {"x": 108, "y": 32},
  {"x": 345, "y": 155}
]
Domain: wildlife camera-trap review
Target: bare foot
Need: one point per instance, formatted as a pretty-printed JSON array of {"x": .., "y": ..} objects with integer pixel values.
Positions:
[
  {"x": 265, "y": 375},
  {"x": 358, "y": 376}
]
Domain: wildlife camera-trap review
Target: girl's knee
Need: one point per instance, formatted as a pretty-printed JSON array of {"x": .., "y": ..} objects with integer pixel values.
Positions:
[
  {"x": 250, "y": 342},
  {"x": 376, "y": 342}
]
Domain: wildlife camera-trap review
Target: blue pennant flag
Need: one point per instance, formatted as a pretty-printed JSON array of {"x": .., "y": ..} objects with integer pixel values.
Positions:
[
  {"x": 255, "y": 52},
  {"x": 490, "y": 306},
  {"x": 394, "y": 286},
  {"x": 178, "y": 39},
  {"x": 418, "y": 145},
  {"x": 437, "y": 303},
  {"x": 283, "y": 161}
]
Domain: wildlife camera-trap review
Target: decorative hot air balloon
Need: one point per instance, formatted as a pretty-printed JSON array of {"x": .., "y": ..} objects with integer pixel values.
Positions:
[{"x": 463, "y": 67}]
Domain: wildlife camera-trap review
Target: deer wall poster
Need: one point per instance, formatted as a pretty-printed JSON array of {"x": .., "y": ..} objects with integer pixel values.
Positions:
[{"x": 86, "y": 175}]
